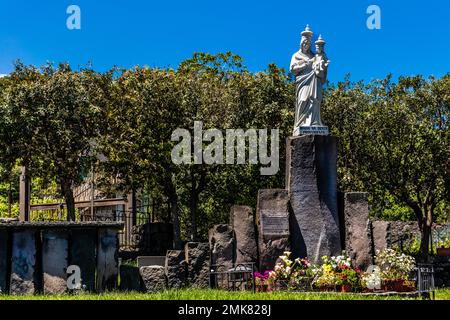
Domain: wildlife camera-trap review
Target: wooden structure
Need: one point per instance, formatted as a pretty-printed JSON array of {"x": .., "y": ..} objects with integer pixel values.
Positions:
[{"x": 86, "y": 197}]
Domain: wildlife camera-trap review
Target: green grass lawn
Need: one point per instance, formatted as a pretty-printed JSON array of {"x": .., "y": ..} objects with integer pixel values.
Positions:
[{"x": 194, "y": 294}]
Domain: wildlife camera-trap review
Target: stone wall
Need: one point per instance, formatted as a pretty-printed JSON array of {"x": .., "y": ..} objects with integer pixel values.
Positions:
[{"x": 34, "y": 256}]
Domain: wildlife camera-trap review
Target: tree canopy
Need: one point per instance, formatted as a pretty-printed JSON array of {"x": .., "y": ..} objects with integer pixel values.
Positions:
[{"x": 394, "y": 136}]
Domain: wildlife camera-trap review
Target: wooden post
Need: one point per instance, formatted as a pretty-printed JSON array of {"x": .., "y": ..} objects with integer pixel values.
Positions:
[
  {"x": 24, "y": 197},
  {"x": 130, "y": 216},
  {"x": 92, "y": 193},
  {"x": 132, "y": 206}
]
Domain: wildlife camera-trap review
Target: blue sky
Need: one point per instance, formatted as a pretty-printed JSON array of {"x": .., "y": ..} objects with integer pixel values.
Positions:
[{"x": 414, "y": 36}]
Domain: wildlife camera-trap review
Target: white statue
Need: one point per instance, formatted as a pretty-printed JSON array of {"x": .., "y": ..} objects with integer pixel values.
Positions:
[{"x": 310, "y": 74}]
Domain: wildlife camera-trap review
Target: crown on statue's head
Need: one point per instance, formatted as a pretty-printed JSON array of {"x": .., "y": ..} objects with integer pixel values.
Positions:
[
  {"x": 307, "y": 33},
  {"x": 320, "y": 41}
]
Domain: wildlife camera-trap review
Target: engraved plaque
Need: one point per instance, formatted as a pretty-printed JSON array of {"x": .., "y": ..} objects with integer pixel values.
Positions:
[{"x": 274, "y": 223}]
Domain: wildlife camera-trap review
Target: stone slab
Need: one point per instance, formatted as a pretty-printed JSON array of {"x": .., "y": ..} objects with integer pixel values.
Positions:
[
  {"x": 221, "y": 243},
  {"x": 107, "y": 259},
  {"x": 130, "y": 279},
  {"x": 83, "y": 249},
  {"x": 272, "y": 219},
  {"x": 199, "y": 265},
  {"x": 358, "y": 240},
  {"x": 243, "y": 223},
  {"x": 147, "y": 261},
  {"x": 312, "y": 184},
  {"x": 395, "y": 234},
  {"x": 4, "y": 260},
  {"x": 153, "y": 239},
  {"x": 54, "y": 260},
  {"x": 23, "y": 270},
  {"x": 176, "y": 269},
  {"x": 381, "y": 235},
  {"x": 154, "y": 278}
]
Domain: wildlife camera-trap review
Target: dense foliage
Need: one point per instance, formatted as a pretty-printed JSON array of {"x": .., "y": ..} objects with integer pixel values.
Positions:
[{"x": 394, "y": 137}]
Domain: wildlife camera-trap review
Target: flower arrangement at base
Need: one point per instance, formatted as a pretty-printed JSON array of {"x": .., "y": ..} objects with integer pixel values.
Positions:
[
  {"x": 261, "y": 281},
  {"x": 395, "y": 269},
  {"x": 290, "y": 274},
  {"x": 337, "y": 274}
]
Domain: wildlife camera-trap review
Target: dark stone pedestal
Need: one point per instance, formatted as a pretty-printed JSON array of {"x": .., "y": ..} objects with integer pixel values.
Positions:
[{"x": 311, "y": 172}]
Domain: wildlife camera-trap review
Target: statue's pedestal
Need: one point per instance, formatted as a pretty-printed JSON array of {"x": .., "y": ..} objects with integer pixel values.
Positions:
[{"x": 311, "y": 173}]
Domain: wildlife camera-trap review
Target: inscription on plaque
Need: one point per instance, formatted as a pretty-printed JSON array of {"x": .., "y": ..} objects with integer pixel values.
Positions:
[
  {"x": 323, "y": 130},
  {"x": 274, "y": 223}
]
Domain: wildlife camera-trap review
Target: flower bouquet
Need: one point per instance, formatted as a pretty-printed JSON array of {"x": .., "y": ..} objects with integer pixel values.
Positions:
[{"x": 395, "y": 269}]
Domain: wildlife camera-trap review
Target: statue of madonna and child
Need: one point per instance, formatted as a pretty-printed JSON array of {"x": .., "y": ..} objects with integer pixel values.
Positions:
[{"x": 310, "y": 73}]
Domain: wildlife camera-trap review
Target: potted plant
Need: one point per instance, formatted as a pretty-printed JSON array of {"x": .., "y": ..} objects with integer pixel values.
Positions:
[
  {"x": 395, "y": 269},
  {"x": 443, "y": 248},
  {"x": 350, "y": 279}
]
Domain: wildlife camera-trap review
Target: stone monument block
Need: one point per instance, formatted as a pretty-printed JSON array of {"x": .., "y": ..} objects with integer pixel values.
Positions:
[
  {"x": 83, "y": 254},
  {"x": 199, "y": 266},
  {"x": 358, "y": 239},
  {"x": 23, "y": 269},
  {"x": 4, "y": 261},
  {"x": 154, "y": 278},
  {"x": 221, "y": 243},
  {"x": 272, "y": 221},
  {"x": 381, "y": 235},
  {"x": 130, "y": 278},
  {"x": 107, "y": 260},
  {"x": 147, "y": 261},
  {"x": 176, "y": 269},
  {"x": 311, "y": 172},
  {"x": 54, "y": 260},
  {"x": 243, "y": 223},
  {"x": 394, "y": 234}
]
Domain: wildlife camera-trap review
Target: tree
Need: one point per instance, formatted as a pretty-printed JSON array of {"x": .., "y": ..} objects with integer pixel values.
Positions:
[
  {"x": 395, "y": 139},
  {"x": 149, "y": 104},
  {"x": 53, "y": 117}
]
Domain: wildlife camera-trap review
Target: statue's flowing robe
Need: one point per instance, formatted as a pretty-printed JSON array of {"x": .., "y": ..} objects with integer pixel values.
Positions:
[{"x": 308, "y": 92}]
